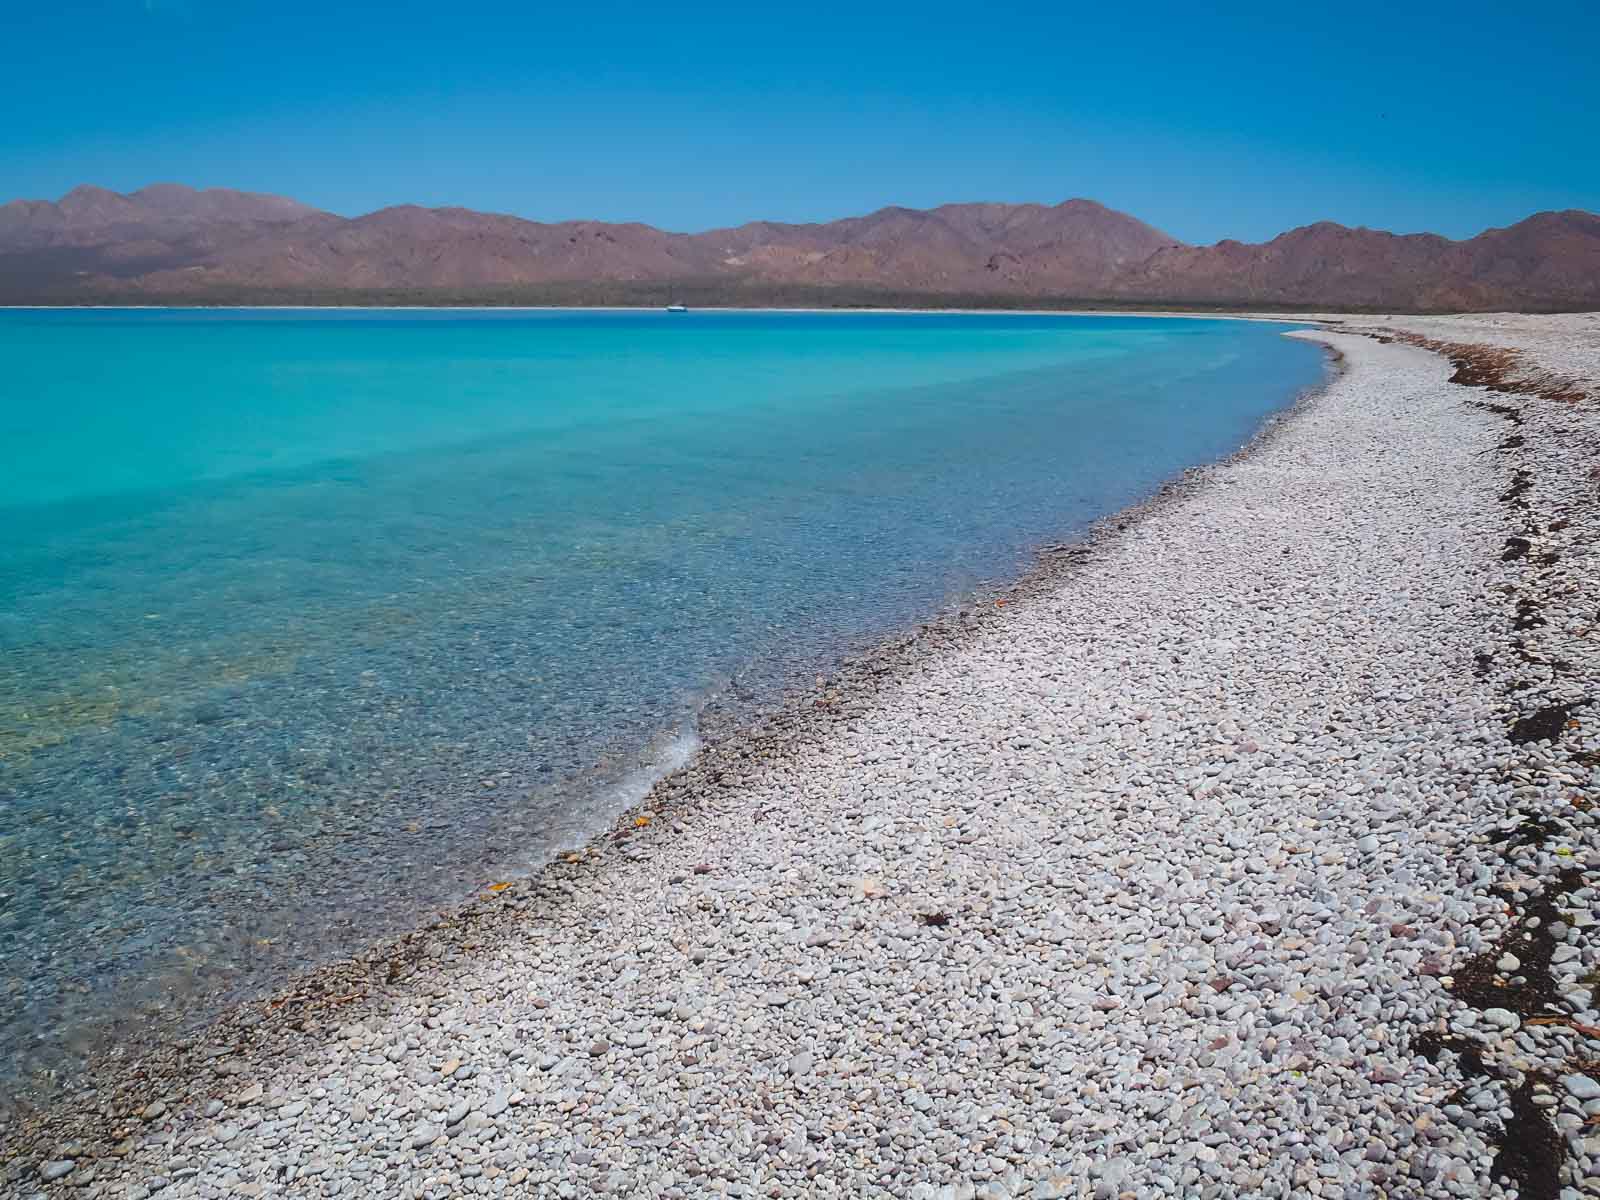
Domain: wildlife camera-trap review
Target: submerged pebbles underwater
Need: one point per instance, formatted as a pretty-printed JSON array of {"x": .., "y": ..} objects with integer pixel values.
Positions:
[{"x": 1249, "y": 851}]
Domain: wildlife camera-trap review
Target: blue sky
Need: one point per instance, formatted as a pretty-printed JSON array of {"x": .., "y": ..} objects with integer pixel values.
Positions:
[{"x": 1209, "y": 120}]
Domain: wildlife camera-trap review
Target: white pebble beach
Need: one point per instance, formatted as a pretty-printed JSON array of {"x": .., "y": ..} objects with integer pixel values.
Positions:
[{"x": 1188, "y": 867}]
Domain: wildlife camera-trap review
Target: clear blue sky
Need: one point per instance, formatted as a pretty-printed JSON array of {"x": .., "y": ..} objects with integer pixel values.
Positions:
[{"x": 1206, "y": 119}]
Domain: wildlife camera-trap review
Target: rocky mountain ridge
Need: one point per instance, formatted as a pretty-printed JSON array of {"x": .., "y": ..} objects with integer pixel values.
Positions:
[{"x": 172, "y": 243}]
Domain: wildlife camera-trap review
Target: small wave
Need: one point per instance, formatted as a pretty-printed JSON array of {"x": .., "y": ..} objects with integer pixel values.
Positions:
[{"x": 664, "y": 754}]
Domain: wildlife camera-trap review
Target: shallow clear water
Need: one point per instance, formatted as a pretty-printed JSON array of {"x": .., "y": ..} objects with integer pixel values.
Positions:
[{"x": 306, "y": 618}]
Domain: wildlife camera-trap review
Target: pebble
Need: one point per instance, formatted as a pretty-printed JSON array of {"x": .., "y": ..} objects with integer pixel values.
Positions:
[
  {"x": 1149, "y": 884},
  {"x": 1501, "y": 1018},
  {"x": 1581, "y": 1086}
]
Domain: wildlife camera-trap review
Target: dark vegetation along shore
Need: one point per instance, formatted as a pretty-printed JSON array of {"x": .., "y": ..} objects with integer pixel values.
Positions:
[
  {"x": 693, "y": 294},
  {"x": 1248, "y": 848}
]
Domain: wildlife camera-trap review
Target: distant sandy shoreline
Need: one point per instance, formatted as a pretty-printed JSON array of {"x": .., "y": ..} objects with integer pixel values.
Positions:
[{"x": 1241, "y": 314}]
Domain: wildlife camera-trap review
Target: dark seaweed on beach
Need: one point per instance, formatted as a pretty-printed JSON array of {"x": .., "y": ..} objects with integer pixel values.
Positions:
[{"x": 1545, "y": 725}]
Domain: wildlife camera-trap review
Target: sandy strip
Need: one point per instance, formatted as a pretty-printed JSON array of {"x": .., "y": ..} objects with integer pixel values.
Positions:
[{"x": 1180, "y": 873}]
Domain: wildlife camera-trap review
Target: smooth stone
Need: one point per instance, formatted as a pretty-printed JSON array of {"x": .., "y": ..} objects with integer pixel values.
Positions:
[
  {"x": 1502, "y": 1018},
  {"x": 1581, "y": 1086}
]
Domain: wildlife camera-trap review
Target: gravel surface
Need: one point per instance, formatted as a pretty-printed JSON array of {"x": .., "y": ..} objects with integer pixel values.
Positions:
[{"x": 1248, "y": 851}]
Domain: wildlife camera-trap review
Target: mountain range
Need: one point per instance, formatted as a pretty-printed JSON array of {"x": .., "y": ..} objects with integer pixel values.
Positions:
[{"x": 173, "y": 244}]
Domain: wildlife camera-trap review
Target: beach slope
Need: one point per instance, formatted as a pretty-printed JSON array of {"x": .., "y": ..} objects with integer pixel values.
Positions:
[{"x": 1246, "y": 851}]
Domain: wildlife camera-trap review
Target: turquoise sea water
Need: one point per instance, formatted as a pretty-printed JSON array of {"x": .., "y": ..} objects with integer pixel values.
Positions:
[{"x": 312, "y": 620}]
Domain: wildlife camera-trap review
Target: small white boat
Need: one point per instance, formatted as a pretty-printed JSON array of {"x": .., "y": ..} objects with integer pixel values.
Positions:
[{"x": 677, "y": 308}]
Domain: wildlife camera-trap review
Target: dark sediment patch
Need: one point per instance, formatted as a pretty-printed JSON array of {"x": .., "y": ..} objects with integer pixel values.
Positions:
[
  {"x": 1480, "y": 982},
  {"x": 1532, "y": 830},
  {"x": 1432, "y": 1045},
  {"x": 1504, "y": 410},
  {"x": 1499, "y": 369},
  {"x": 1528, "y": 617},
  {"x": 1530, "y": 1148},
  {"x": 1545, "y": 725}
]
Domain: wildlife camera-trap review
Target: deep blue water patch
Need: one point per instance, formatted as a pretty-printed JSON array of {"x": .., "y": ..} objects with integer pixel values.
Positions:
[{"x": 310, "y": 621}]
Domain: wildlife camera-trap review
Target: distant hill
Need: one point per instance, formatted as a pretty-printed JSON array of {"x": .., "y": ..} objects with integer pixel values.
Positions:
[
  {"x": 92, "y": 235},
  {"x": 1550, "y": 260},
  {"x": 172, "y": 243}
]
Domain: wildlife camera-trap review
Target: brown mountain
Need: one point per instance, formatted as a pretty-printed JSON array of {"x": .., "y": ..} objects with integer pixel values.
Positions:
[
  {"x": 88, "y": 216},
  {"x": 411, "y": 247},
  {"x": 92, "y": 237},
  {"x": 1074, "y": 248},
  {"x": 1550, "y": 260},
  {"x": 173, "y": 243}
]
